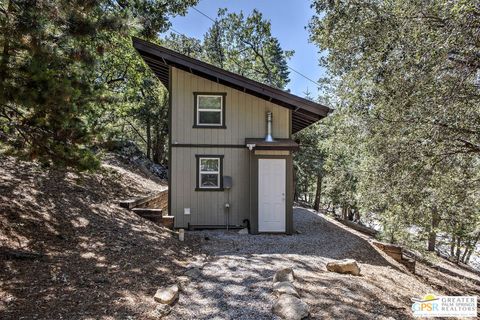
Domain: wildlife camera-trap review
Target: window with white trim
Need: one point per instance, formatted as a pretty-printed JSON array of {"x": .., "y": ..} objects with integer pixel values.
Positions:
[
  {"x": 209, "y": 172},
  {"x": 209, "y": 110}
]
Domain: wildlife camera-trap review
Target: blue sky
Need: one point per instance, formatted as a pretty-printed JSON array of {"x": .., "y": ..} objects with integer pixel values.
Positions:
[{"x": 288, "y": 19}]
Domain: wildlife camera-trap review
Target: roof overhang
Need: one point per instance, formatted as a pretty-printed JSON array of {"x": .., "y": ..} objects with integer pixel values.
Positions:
[{"x": 159, "y": 59}]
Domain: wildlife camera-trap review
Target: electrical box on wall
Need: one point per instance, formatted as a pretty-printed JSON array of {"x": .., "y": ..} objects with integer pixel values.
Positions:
[
  {"x": 186, "y": 211},
  {"x": 227, "y": 182}
]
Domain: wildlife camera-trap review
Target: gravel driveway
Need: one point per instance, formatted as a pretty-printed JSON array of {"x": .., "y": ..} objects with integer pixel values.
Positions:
[{"x": 236, "y": 275}]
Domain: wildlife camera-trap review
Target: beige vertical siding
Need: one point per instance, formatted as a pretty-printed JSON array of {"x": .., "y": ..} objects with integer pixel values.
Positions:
[
  {"x": 207, "y": 207},
  {"x": 245, "y": 114},
  {"x": 245, "y": 118}
]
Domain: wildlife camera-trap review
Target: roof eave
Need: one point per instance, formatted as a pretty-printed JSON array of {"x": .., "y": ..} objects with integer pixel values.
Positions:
[{"x": 310, "y": 111}]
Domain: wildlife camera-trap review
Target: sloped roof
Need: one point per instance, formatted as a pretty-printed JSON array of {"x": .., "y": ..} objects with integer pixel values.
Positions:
[{"x": 159, "y": 59}]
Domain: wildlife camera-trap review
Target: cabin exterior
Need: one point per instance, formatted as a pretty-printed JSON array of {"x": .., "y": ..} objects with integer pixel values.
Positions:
[{"x": 223, "y": 169}]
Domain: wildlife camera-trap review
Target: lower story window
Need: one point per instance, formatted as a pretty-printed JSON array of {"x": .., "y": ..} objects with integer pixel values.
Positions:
[{"x": 209, "y": 172}]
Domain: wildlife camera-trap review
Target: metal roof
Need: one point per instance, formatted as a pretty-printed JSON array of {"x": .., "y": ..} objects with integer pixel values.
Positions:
[{"x": 159, "y": 59}]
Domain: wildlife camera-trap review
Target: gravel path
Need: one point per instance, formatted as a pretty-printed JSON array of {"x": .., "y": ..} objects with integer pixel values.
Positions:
[{"x": 236, "y": 275}]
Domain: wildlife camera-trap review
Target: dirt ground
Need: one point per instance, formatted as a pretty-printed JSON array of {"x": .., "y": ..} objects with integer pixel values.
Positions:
[
  {"x": 67, "y": 251},
  {"x": 236, "y": 278}
]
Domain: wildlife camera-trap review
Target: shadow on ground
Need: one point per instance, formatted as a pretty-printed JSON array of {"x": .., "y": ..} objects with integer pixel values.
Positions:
[
  {"x": 236, "y": 280},
  {"x": 91, "y": 259}
]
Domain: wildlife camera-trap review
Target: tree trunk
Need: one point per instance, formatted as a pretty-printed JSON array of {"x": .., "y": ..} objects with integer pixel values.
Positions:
[
  {"x": 318, "y": 192},
  {"x": 149, "y": 139},
  {"x": 157, "y": 145},
  {"x": 351, "y": 213},
  {"x": 457, "y": 254},
  {"x": 432, "y": 236},
  {"x": 452, "y": 246},
  {"x": 306, "y": 191},
  {"x": 356, "y": 215},
  {"x": 465, "y": 252},
  {"x": 472, "y": 247},
  {"x": 6, "y": 50}
]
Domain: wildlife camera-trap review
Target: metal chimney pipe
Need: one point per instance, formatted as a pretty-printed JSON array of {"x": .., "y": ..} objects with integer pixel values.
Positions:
[{"x": 269, "y": 137}]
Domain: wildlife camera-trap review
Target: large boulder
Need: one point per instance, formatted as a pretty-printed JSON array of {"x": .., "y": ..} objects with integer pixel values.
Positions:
[
  {"x": 167, "y": 295},
  {"x": 348, "y": 266},
  {"x": 285, "y": 274},
  {"x": 284, "y": 287},
  {"x": 290, "y": 307}
]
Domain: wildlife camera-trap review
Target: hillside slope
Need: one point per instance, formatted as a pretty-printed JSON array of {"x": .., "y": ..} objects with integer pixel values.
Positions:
[{"x": 69, "y": 252}]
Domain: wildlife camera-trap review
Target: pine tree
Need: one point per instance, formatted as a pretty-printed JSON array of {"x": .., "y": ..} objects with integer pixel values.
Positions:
[
  {"x": 245, "y": 45},
  {"x": 49, "y": 81},
  {"x": 277, "y": 59},
  {"x": 213, "y": 46}
]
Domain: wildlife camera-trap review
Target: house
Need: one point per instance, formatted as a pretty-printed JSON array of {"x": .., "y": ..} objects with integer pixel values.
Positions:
[{"x": 230, "y": 146}]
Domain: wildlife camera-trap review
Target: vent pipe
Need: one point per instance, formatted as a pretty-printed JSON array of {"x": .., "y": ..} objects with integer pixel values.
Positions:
[{"x": 269, "y": 137}]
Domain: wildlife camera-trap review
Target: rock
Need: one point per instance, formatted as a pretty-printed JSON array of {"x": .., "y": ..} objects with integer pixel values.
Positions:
[
  {"x": 193, "y": 273},
  {"x": 243, "y": 231},
  {"x": 282, "y": 275},
  {"x": 290, "y": 307},
  {"x": 344, "y": 266},
  {"x": 183, "y": 282},
  {"x": 132, "y": 153},
  {"x": 284, "y": 287},
  {"x": 196, "y": 264},
  {"x": 167, "y": 295},
  {"x": 161, "y": 311}
]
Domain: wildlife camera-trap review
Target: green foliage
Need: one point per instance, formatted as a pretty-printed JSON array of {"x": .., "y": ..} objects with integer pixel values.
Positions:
[
  {"x": 245, "y": 45},
  {"x": 308, "y": 162},
  {"x": 240, "y": 44},
  {"x": 405, "y": 78},
  {"x": 138, "y": 108},
  {"x": 186, "y": 45},
  {"x": 52, "y": 89}
]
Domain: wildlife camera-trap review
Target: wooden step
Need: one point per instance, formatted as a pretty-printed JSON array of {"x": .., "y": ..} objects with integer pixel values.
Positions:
[
  {"x": 149, "y": 213},
  {"x": 155, "y": 215},
  {"x": 168, "y": 221},
  {"x": 132, "y": 203}
]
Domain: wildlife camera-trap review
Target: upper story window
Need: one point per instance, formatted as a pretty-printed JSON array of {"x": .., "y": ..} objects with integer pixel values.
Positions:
[{"x": 209, "y": 110}]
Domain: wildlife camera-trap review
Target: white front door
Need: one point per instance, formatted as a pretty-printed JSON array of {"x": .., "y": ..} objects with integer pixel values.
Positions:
[{"x": 271, "y": 195}]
